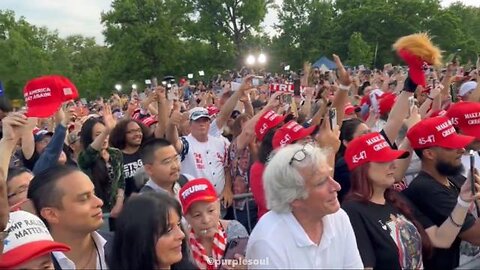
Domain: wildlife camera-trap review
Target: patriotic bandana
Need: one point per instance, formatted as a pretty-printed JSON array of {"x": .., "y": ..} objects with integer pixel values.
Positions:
[{"x": 199, "y": 253}]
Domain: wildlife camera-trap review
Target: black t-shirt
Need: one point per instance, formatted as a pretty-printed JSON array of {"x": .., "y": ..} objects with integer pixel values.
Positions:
[
  {"x": 437, "y": 202},
  {"x": 386, "y": 239},
  {"x": 131, "y": 163},
  {"x": 342, "y": 174}
]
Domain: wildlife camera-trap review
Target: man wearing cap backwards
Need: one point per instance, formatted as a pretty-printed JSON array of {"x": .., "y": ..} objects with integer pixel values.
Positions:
[
  {"x": 28, "y": 244},
  {"x": 64, "y": 198},
  {"x": 435, "y": 190},
  {"x": 305, "y": 227},
  {"x": 204, "y": 155}
]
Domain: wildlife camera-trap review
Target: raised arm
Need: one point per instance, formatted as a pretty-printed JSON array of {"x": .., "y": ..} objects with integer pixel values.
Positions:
[
  {"x": 110, "y": 123},
  {"x": 307, "y": 105},
  {"x": 248, "y": 132},
  {"x": 172, "y": 130},
  {"x": 12, "y": 127},
  {"x": 28, "y": 142},
  {"x": 398, "y": 113},
  {"x": 229, "y": 106},
  {"x": 163, "y": 110},
  {"x": 52, "y": 152},
  {"x": 341, "y": 96}
]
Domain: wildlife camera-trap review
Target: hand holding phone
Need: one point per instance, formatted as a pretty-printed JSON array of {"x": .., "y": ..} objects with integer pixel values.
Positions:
[
  {"x": 332, "y": 117},
  {"x": 154, "y": 82},
  {"x": 235, "y": 246},
  {"x": 286, "y": 98}
]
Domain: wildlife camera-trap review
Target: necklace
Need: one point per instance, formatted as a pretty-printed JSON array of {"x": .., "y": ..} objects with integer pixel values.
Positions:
[
  {"x": 94, "y": 251},
  {"x": 85, "y": 266}
]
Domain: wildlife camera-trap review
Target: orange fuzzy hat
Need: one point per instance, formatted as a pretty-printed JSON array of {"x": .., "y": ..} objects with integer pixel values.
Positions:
[{"x": 416, "y": 50}]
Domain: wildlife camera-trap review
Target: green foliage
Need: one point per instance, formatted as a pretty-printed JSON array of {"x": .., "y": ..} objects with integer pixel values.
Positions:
[
  {"x": 28, "y": 51},
  {"x": 359, "y": 52}
]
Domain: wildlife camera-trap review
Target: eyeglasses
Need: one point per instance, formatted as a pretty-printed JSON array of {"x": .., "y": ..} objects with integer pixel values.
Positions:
[
  {"x": 169, "y": 161},
  {"x": 139, "y": 130},
  {"x": 20, "y": 190},
  {"x": 301, "y": 154}
]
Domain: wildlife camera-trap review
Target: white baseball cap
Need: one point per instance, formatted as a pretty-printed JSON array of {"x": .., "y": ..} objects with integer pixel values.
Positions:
[
  {"x": 27, "y": 239},
  {"x": 467, "y": 88}
]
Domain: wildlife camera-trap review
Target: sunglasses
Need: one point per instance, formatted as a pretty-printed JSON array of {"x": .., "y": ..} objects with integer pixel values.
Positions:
[{"x": 301, "y": 154}]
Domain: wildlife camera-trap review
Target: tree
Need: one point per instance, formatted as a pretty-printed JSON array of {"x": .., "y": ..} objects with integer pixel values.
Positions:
[
  {"x": 144, "y": 37},
  {"x": 227, "y": 25},
  {"x": 305, "y": 31},
  {"x": 359, "y": 52}
]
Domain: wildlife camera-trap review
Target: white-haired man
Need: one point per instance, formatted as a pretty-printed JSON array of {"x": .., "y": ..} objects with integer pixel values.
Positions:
[{"x": 306, "y": 227}]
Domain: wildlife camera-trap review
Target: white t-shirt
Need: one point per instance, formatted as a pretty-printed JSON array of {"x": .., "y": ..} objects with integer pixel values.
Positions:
[
  {"x": 207, "y": 160},
  {"x": 278, "y": 241}
]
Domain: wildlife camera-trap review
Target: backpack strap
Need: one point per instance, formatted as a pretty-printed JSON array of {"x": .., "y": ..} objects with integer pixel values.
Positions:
[{"x": 185, "y": 148}]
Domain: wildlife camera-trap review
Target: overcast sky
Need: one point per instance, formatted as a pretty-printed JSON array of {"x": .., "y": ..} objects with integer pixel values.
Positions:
[{"x": 83, "y": 16}]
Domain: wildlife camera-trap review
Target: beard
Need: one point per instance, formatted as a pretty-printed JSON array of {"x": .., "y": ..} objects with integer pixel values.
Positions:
[{"x": 447, "y": 169}]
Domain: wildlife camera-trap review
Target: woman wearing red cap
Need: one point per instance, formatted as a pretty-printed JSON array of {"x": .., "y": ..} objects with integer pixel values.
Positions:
[
  {"x": 209, "y": 236},
  {"x": 389, "y": 230}
]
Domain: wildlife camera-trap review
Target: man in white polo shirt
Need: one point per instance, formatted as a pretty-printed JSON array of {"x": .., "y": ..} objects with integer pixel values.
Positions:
[{"x": 306, "y": 227}]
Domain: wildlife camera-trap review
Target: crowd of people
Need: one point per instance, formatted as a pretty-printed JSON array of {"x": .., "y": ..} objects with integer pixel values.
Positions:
[{"x": 338, "y": 169}]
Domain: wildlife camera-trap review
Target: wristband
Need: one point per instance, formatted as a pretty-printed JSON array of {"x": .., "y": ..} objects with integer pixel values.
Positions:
[
  {"x": 463, "y": 203},
  {"x": 409, "y": 85},
  {"x": 453, "y": 222},
  {"x": 429, "y": 97},
  {"x": 344, "y": 87}
]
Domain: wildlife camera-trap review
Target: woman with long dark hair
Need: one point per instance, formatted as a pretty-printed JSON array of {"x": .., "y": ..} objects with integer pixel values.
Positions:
[
  {"x": 149, "y": 235},
  {"x": 390, "y": 233},
  {"x": 103, "y": 164}
]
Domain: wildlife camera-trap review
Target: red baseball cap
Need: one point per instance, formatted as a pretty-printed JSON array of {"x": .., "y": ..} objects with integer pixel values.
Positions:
[
  {"x": 436, "y": 131},
  {"x": 213, "y": 110},
  {"x": 149, "y": 121},
  {"x": 28, "y": 238},
  {"x": 466, "y": 116},
  {"x": 267, "y": 121},
  {"x": 438, "y": 113},
  {"x": 44, "y": 95},
  {"x": 385, "y": 102},
  {"x": 196, "y": 190},
  {"x": 349, "y": 109},
  {"x": 371, "y": 147},
  {"x": 289, "y": 133}
]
